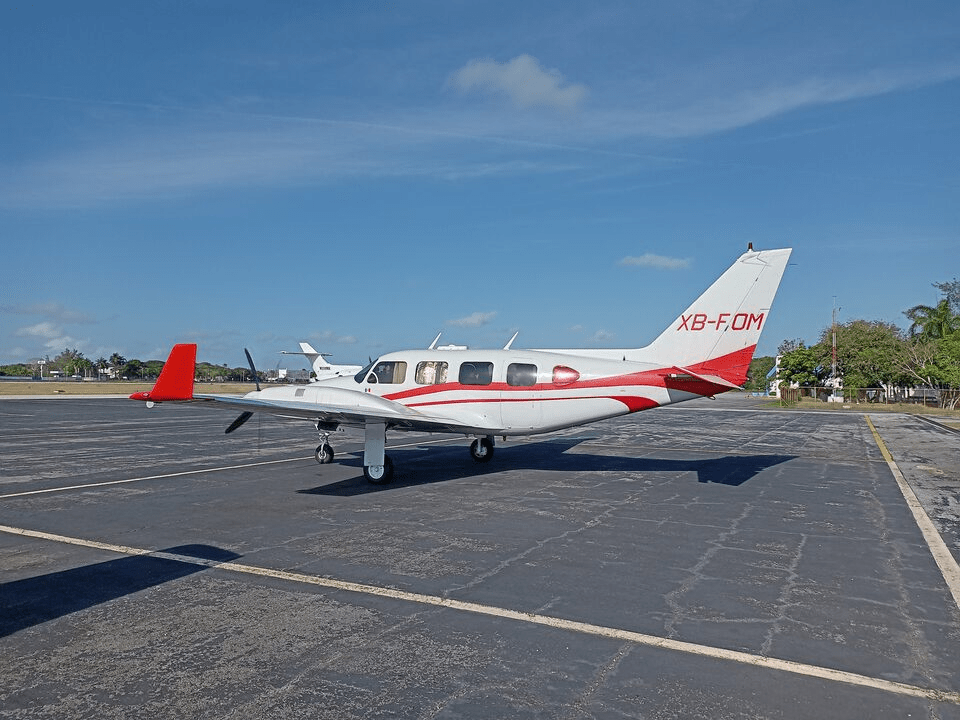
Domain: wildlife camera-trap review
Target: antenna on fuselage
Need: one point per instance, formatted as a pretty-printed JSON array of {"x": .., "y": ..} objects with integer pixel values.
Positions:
[
  {"x": 507, "y": 346},
  {"x": 433, "y": 345}
]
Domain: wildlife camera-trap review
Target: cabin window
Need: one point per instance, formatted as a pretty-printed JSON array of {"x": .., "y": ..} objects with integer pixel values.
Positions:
[
  {"x": 521, "y": 374},
  {"x": 476, "y": 373},
  {"x": 431, "y": 372},
  {"x": 388, "y": 371},
  {"x": 300, "y": 392},
  {"x": 563, "y": 375}
]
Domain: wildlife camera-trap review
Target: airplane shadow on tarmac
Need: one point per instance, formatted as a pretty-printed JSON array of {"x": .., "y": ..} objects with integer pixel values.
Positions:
[
  {"x": 31, "y": 601},
  {"x": 420, "y": 467}
]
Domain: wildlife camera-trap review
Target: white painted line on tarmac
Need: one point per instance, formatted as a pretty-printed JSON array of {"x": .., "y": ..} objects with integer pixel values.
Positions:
[
  {"x": 938, "y": 548},
  {"x": 759, "y": 661}
]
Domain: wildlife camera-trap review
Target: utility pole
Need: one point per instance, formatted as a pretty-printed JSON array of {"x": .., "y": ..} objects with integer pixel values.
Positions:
[{"x": 834, "y": 349}]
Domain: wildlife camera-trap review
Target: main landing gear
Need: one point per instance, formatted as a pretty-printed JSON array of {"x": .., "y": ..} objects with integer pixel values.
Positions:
[
  {"x": 377, "y": 465},
  {"x": 481, "y": 449}
]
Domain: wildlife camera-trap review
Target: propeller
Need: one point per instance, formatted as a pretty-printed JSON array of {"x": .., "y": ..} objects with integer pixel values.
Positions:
[
  {"x": 246, "y": 415},
  {"x": 252, "y": 369}
]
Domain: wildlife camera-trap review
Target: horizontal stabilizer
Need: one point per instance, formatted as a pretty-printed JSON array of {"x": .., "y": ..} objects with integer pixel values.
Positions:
[{"x": 688, "y": 374}]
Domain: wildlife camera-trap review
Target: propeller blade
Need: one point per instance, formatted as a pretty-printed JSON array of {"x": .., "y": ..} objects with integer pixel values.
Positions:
[
  {"x": 244, "y": 416},
  {"x": 254, "y": 371}
]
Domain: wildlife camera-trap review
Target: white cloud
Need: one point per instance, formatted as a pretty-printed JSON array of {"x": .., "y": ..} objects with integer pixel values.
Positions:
[
  {"x": 603, "y": 336},
  {"x": 523, "y": 80},
  {"x": 659, "y": 262},
  {"x": 52, "y": 335},
  {"x": 475, "y": 320}
]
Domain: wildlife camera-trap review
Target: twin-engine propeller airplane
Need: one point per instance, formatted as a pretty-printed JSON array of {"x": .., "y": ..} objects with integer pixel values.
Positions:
[{"x": 485, "y": 393}]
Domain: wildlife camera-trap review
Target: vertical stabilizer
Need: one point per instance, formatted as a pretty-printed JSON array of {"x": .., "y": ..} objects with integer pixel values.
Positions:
[
  {"x": 717, "y": 335},
  {"x": 176, "y": 378}
]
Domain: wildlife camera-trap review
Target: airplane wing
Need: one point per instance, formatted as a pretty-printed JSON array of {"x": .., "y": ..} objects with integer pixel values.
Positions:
[
  {"x": 315, "y": 402},
  {"x": 349, "y": 413}
]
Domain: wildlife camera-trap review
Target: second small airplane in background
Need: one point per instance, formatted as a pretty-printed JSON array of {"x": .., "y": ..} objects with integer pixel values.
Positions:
[
  {"x": 318, "y": 361},
  {"x": 486, "y": 393}
]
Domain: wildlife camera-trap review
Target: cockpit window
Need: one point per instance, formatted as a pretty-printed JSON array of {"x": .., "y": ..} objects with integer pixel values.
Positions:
[
  {"x": 431, "y": 372},
  {"x": 362, "y": 375},
  {"x": 383, "y": 371},
  {"x": 476, "y": 373},
  {"x": 521, "y": 374},
  {"x": 388, "y": 371}
]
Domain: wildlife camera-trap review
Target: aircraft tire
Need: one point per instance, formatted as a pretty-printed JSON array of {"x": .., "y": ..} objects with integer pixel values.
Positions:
[
  {"x": 481, "y": 450},
  {"x": 324, "y": 454},
  {"x": 379, "y": 475}
]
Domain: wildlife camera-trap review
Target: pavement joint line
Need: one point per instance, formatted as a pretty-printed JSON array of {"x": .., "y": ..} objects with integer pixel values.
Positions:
[
  {"x": 64, "y": 488},
  {"x": 938, "y": 548},
  {"x": 761, "y": 661}
]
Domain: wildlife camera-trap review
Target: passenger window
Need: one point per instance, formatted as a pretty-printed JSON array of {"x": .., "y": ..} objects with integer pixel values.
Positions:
[
  {"x": 431, "y": 372},
  {"x": 476, "y": 373},
  {"x": 563, "y": 375},
  {"x": 521, "y": 374},
  {"x": 388, "y": 371}
]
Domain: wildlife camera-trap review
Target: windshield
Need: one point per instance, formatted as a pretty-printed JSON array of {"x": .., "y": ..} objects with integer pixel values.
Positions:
[{"x": 362, "y": 375}]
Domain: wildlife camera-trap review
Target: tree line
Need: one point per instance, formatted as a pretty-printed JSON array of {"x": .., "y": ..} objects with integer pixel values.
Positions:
[
  {"x": 877, "y": 354},
  {"x": 73, "y": 363}
]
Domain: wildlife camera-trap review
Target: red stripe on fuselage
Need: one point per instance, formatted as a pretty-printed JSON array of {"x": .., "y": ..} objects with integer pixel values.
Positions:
[{"x": 731, "y": 367}]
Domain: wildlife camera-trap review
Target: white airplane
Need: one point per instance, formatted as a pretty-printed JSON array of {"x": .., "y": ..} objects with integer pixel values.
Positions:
[
  {"x": 486, "y": 393},
  {"x": 321, "y": 368}
]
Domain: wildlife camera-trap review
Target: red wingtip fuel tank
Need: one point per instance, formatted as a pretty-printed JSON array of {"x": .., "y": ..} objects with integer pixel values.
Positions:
[{"x": 176, "y": 378}]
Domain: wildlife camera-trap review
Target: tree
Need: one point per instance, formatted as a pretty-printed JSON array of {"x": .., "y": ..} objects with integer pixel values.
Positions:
[
  {"x": 933, "y": 322},
  {"x": 952, "y": 291},
  {"x": 801, "y": 365},
  {"x": 867, "y": 351},
  {"x": 757, "y": 374}
]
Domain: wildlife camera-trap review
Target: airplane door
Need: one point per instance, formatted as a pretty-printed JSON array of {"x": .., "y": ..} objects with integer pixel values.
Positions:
[{"x": 522, "y": 402}]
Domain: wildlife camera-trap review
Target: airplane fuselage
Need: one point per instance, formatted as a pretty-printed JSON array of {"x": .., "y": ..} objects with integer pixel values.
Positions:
[{"x": 501, "y": 392}]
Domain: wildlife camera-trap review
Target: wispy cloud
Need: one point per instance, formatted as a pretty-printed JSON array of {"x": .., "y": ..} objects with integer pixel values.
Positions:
[
  {"x": 49, "y": 310},
  {"x": 198, "y": 149},
  {"x": 474, "y": 320},
  {"x": 658, "y": 262},
  {"x": 523, "y": 80}
]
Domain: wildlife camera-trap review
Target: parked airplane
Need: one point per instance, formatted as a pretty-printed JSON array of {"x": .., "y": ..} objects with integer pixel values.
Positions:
[
  {"x": 318, "y": 360},
  {"x": 486, "y": 393}
]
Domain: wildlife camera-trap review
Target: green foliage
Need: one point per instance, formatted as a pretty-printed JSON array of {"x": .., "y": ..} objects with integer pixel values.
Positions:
[
  {"x": 935, "y": 322},
  {"x": 802, "y": 365},
  {"x": 757, "y": 374},
  {"x": 867, "y": 351}
]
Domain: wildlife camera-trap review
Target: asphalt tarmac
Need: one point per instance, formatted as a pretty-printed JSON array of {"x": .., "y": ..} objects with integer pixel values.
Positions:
[{"x": 709, "y": 560}]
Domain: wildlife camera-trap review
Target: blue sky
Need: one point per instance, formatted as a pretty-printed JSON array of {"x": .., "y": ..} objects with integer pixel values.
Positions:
[{"x": 255, "y": 174}]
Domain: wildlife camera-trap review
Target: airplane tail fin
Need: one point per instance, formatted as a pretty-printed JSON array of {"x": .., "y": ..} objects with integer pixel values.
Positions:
[
  {"x": 176, "y": 378},
  {"x": 714, "y": 339}
]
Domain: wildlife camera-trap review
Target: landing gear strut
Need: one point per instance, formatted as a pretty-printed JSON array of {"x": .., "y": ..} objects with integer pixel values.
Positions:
[
  {"x": 323, "y": 453},
  {"x": 481, "y": 449}
]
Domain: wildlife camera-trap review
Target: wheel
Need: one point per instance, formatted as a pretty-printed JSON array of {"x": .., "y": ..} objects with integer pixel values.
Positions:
[
  {"x": 379, "y": 474},
  {"x": 481, "y": 449},
  {"x": 324, "y": 454}
]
